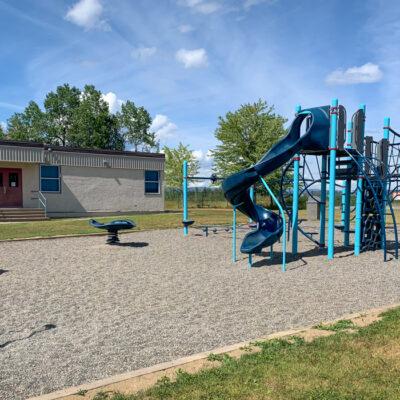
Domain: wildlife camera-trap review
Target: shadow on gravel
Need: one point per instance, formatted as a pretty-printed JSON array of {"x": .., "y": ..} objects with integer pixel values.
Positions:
[
  {"x": 3, "y": 271},
  {"x": 46, "y": 327},
  {"x": 315, "y": 252},
  {"x": 132, "y": 244}
]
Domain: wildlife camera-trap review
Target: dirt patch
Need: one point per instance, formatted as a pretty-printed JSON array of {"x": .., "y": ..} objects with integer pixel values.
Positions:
[
  {"x": 312, "y": 334},
  {"x": 366, "y": 319}
]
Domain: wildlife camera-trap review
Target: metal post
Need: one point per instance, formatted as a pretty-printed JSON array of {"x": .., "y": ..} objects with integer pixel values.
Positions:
[
  {"x": 347, "y": 190},
  {"x": 284, "y": 222},
  {"x": 185, "y": 197},
  {"x": 322, "y": 210},
  {"x": 332, "y": 178},
  {"x": 386, "y": 133},
  {"x": 250, "y": 261},
  {"x": 295, "y": 201},
  {"x": 359, "y": 195},
  {"x": 234, "y": 235}
]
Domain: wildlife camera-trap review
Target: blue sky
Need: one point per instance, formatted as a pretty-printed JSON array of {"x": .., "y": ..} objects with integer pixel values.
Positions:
[{"x": 189, "y": 61}]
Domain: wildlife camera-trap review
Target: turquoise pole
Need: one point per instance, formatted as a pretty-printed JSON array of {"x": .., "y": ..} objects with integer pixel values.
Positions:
[
  {"x": 283, "y": 220},
  {"x": 295, "y": 202},
  {"x": 359, "y": 194},
  {"x": 250, "y": 261},
  {"x": 322, "y": 210},
  {"x": 234, "y": 235},
  {"x": 342, "y": 204},
  {"x": 185, "y": 197},
  {"x": 346, "y": 227},
  {"x": 332, "y": 178}
]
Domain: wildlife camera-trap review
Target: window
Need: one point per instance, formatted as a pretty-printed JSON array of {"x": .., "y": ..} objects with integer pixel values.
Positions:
[
  {"x": 1, "y": 179},
  {"x": 49, "y": 178},
  {"x": 152, "y": 182},
  {"x": 13, "y": 180}
]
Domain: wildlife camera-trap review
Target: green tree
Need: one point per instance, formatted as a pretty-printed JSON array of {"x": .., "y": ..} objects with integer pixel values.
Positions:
[
  {"x": 2, "y": 133},
  {"x": 61, "y": 108},
  {"x": 135, "y": 123},
  {"x": 174, "y": 158},
  {"x": 244, "y": 136},
  {"x": 29, "y": 125},
  {"x": 93, "y": 125}
]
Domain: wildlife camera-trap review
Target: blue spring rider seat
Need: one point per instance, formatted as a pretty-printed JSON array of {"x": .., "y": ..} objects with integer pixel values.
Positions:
[{"x": 112, "y": 228}]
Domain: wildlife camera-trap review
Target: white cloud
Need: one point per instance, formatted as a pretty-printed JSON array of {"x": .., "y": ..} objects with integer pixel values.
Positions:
[
  {"x": 114, "y": 103},
  {"x": 186, "y": 28},
  {"x": 367, "y": 73},
  {"x": 192, "y": 58},
  {"x": 163, "y": 127},
  {"x": 143, "y": 53},
  {"x": 247, "y": 4},
  {"x": 201, "y": 6},
  {"x": 202, "y": 156},
  {"x": 3, "y": 125},
  {"x": 87, "y": 14}
]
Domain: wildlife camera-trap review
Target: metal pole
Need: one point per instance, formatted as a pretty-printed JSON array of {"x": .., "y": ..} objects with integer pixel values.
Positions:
[
  {"x": 284, "y": 222},
  {"x": 359, "y": 195},
  {"x": 332, "y": 177},
  {"x": 295, "y": 201},
  {"x": 347, "y": 190},
  {"x": 234, "y": 235},
  {"x": 386, "y": 133},
  {"x": 322, "y": 210},
  {"x": 185, "y": 197}
]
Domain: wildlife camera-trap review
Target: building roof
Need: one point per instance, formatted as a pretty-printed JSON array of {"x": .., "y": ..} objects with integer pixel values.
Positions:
[
  {"x": 34, "y": 153},
  {"x": 79, "y": 150}
]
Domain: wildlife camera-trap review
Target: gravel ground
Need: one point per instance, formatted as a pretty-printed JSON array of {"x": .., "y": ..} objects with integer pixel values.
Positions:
[{"x": 110, "y": 310}]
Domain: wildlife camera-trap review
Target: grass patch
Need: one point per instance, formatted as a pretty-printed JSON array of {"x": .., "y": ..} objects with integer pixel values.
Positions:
[
  {"x": 365, "y": 365},
  {"x": 66, "y": 226},
  {"x": 338, "y": 326}
]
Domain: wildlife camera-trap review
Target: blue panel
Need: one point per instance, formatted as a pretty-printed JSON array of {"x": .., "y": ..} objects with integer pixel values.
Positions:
[
  {"x": 49, "y": 171},
  {"x": 50, "y": 185},
  {"x": 151, "y": 176},
  {"x": 151, "y": 187}
]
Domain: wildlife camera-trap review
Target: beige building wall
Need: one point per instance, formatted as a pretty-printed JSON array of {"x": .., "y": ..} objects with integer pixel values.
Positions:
[
  {"x": 102, "y": 190},
  {"x": 30, "y": 182}
]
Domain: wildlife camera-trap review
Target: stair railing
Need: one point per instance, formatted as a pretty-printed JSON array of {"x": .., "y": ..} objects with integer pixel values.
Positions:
[{"x": 42, "y": 202}]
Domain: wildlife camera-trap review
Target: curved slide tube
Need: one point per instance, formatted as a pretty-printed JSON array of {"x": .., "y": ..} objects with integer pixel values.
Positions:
[{"x": 236, "y": 187}]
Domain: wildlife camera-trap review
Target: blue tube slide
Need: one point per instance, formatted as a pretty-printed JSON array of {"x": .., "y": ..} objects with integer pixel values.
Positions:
[{"x": 236, "y": 187}]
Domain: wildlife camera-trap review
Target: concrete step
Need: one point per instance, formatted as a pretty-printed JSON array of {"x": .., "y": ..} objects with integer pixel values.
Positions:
[{"x": 21, "y": 214}]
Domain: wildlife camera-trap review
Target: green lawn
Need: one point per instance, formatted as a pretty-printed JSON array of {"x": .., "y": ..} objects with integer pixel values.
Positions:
[
  {"x": 346, "y": 366},
  {"x": 67, "y": 226}
]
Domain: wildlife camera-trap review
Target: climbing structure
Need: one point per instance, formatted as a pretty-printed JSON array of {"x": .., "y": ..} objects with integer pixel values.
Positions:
[{"x": 364, "y": 170}]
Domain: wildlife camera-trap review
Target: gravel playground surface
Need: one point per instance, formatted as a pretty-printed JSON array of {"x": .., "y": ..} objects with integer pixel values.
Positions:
[{"x": 75, "y": 310}]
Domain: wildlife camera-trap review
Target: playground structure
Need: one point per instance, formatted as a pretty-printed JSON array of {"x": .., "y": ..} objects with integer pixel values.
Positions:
[{"x": 322, "y": 152}]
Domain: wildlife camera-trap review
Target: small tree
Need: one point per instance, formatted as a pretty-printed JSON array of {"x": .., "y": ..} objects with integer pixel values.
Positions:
[
  {"x": 135, "y": 123},
  {"x": 29, "y": 125},
  {"x": 2, "y": 133},
  {"x": 174, "y": 158},
  {"x": 244, "y": 136}
]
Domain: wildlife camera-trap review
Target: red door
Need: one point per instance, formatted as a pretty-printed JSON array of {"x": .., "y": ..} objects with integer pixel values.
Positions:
[{"x": 10, "y": 187}]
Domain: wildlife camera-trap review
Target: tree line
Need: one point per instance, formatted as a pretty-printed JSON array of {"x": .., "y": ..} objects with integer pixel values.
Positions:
[{"x": 81, "y": 118}]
